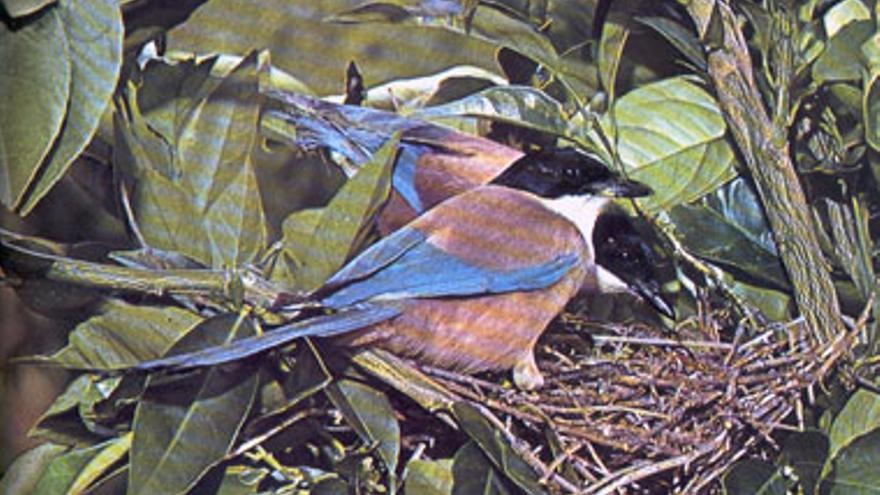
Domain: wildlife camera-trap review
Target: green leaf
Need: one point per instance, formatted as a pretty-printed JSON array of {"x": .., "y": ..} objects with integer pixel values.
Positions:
[
  {"x": 318, "y": 52},
  {"x": 185, "y": 425},
  {"x": 473, "y": 473},
  {"x": 870, "y": 51},
  {"x": 122, "y": 336},
  {"x": 428, "y": 477},
  {"x": 34, "y": 91},
  {"x": 844, "y": 13},
  {"x": 841, "y": 60},
  {"x": 70, "y": 418},
  {"x": 23, "y": 475},
  {"x": 408, "y": 95},
  {"x": 680, "y": 37},
  {"x": 75, "y": 470},
  {"x": 161, "y": 206},
  {"x": 671, "y": 136},
  {"x": 728, "y": 227},
  {"x": 806, "y": 453},
  {"x": 321, "y": 241},
  {"x": 615, "y": 33},
  {"x": 214, "y": 149},
  {"x": 519, "y": 105},
  {"x": 855, "y": 467},
  {"x": 860, "y": 415},
  {"x": 753, "y": 477},
  {"x": 368, "y": 411},
  {"x": 496, "y": 447},
  {"x": 94, "y": 31},
  {"x": 21, "y": 8}
]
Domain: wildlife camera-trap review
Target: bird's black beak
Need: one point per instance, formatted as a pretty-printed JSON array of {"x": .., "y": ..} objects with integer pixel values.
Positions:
[
  {"x": 649, "y": 291},
  {"x": 620, "y": 187}
]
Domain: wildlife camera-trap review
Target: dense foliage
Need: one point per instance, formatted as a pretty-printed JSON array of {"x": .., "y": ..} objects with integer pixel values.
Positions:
[{"x": 209, "y": 147}]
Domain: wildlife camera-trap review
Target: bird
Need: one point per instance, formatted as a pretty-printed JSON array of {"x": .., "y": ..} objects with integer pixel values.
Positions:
[{"x": 472, "y": 283}]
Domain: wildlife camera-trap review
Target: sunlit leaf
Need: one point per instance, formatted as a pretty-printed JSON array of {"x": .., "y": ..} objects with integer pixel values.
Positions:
[
  {"x": 184, "y": 425},
  {"x": 34, "y": 91},
  {"x": 75, "y": 470},
  {"x": 23, "y": 475},
  {"x": 94, "y": 31},
  {"x": 843, "y": 13},
  {"x": 339, "y": 229},
  {"x": 520, "y": 105},
  {"x": 368, "y": 411},
  {"x": 671, "y": 136},
  {"x": 122, "y": 336}
]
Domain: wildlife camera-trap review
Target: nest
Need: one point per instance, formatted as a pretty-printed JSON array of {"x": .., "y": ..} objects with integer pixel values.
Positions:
[{"x": 642, "y": 412}]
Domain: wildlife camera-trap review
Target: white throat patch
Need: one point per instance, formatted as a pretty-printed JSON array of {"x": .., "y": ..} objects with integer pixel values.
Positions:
[{"x": 583, "y": 211}]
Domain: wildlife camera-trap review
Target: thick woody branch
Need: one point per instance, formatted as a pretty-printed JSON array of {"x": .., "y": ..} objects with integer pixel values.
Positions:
[{"x": 764, "y": 146}]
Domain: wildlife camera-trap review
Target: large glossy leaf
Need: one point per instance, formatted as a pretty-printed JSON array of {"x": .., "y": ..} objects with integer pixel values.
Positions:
[
  {"x": 75, "y": 470},
  {"x": 185, "y": 425},
  {"x": 162, "y": 208},
  {"x": 23, "y": 475},
  {"x": 34, "y": 90},
  {"x": 318, "y": 52},
  {"x": 520, "y": 105},
  {"x": 368, "y": 411},
  {"x": 728, "y": 227},
  {"x": 214, "y": 150},
  {"x": 497, "y": 448},
  {"x": 671, "y": 136},
  {"x": 94, "y": 31},
  {"x": 855, "y": 468},
  {"x": 860, "y": 415},
  {"x": 753, "y": 477},
  {"x": 122, "y": 336},
  {"x": 322, "y": 243}
]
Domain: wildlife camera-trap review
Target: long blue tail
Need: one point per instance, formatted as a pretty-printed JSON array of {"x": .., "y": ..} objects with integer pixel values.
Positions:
[{"x": 353, "y": 318}]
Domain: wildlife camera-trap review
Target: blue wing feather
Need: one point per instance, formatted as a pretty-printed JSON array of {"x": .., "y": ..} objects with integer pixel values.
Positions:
[{"x": 424, "y": 270}]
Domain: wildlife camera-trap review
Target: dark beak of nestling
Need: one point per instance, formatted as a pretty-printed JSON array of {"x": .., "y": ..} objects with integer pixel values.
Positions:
[
  {"x": 620, "y": 187},
  {"x": 649, "y": 291}
]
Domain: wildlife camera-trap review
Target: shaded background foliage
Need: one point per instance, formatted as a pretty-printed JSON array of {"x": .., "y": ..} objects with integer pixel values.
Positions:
[{"x": 196, "y": 143}]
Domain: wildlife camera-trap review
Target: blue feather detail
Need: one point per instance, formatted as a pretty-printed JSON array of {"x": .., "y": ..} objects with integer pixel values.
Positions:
[
  {"x": 377, "y": 257},
  {"x": 353, "y": 318},
  {"x": 404, "y": 178},
  {"x": 423, "y": 271}
]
